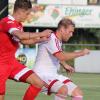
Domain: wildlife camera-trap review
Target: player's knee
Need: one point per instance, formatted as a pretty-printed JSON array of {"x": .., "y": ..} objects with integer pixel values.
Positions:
[
  {"x": 77, "y": 92},
  {"x": 35, "y": 80},
  {"x": 59, "y": 88},
  {"x": 1, "y": 97},
  {"x": 63, "y": 90},
  {"x": 39, "y": 83}
]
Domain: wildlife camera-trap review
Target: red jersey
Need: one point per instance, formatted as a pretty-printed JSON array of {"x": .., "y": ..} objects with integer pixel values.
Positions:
[
  {"x": 9, "y": 66},
  {"x": 8, "y": 43}
]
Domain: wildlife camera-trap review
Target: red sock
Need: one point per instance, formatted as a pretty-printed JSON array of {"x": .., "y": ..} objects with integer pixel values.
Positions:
[{"x": 31, "y": 93}]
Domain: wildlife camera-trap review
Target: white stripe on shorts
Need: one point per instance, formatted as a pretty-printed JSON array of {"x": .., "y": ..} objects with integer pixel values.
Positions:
[{"x": 21, "y": 73}]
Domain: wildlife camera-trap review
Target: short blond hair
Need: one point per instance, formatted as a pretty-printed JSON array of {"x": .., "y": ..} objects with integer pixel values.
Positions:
[{"x": 65, "y": 22}]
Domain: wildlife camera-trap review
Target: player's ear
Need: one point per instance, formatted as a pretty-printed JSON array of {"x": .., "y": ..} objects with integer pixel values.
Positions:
[{"x": 62, "y": 29}]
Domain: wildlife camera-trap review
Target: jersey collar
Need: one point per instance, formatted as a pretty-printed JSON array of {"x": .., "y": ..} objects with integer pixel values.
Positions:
[{"x": 11, "y": 17}]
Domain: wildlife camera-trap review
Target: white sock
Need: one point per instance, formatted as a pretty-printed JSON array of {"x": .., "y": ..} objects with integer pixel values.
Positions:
[
  {"x": 77, "y": 98},
  {"x": 60, "y": 97}
]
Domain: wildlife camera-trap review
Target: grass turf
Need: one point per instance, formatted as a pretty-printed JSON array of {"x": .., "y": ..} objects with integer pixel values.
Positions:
[{"x": 89, "y": 83}]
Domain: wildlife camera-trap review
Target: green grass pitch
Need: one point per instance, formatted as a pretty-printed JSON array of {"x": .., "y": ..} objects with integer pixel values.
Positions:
[{"x": 89, "y": 83}]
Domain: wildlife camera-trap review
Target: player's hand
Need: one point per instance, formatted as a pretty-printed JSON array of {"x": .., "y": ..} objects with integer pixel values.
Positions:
[
  {"x": 85, "y": 51},
  {"x": 69, "y": 69},
  {"x": 46, "y": 33}
]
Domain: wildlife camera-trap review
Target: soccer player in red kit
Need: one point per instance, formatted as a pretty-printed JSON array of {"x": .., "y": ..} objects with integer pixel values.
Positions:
[{"x": 11, "y": 34}]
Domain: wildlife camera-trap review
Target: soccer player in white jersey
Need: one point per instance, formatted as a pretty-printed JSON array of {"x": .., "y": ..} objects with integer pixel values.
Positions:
[{"x": 49, "y": 57}]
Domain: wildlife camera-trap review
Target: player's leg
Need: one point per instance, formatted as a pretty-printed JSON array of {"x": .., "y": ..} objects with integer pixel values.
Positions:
[
  {"x": 62, "y": 79},
  {"x": 1, "y": 97},
  {"x": 55, "y": 86},
  {"x": 31, "y": 92},
  {"x": 74, "y": 91},
  {"x": 59, "y": 89},
  {"x": 24, "y": 74},
  {"x": 4, "y": 73},
  {"x": 62, "y": 93},
  {"x": 33, "y": 89},
  {"x": 34, "y": 79},
  {"x": 77, "y": 94}
]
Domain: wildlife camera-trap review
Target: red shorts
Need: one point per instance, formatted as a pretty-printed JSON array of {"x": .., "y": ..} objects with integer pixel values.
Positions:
[{"x": 12, "y": 70}]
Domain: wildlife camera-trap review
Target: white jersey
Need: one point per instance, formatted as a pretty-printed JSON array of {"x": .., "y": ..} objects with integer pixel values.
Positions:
[
  {"x": 45, "y": 60},
  {"x": 47, "y": 65}
]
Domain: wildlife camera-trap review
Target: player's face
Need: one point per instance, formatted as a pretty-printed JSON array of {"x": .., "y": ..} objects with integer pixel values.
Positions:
[
  {"x": 24, "y": 14},
  {"x": 67, "y": 33}
]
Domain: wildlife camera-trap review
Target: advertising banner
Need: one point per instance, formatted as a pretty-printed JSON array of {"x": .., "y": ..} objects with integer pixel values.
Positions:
[
  {"x": 54, "y": 1},
  {"x": 61, "y": 2},
  {"x": 50, "y": 15},
  {"x": 26, "y": 56}
]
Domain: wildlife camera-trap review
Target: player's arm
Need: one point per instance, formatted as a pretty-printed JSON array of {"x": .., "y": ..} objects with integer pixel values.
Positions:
[
  {"x": 33, "y": 41},
  {"x": 53, "y": 46},
  {"x": 21, "y": 36},
  {"x": 67, "y": 67},
  {"x": 31, "y": 35},
  {"x": 65, "y": 56}
]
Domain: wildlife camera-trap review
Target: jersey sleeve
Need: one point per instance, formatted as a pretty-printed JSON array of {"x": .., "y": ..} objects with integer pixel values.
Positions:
[
  {"x": 53, "y": 45},
  {"x": 10, "y": 26}
]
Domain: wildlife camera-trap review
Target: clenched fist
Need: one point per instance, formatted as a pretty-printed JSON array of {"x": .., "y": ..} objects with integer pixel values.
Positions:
[
  {"x": 85, "y": 51},
  {"x": 46, "y": 33}
]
